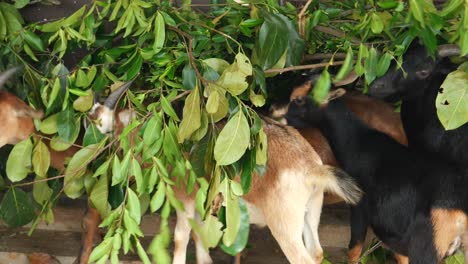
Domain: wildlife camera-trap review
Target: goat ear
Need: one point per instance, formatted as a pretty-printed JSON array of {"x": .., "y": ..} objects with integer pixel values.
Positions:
[{"x": 332, "y": 95}]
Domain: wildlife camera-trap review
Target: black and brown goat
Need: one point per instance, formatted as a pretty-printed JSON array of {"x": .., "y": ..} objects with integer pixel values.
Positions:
[
  {"x": 415, "y": 203},
  {"x": 418, "y": 92},
  {"x": 375, "y": 113}
]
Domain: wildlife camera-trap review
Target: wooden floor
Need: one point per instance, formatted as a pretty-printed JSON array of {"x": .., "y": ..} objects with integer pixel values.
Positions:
[{"x": 62, "y": 239}]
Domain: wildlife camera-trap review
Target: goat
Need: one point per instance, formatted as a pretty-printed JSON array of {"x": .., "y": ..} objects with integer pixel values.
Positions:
[
  {"x": 16, "y": 117},
  {"x": 295, "y": 184},
  {"x": 16, "y": 124},
  {"x": 415, "y": 203},
  {"x": 418, "y": 91},
  {"x": 375, "y": 113}
]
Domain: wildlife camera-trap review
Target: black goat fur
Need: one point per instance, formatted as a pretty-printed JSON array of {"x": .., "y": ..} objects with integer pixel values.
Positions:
[
  {"x": 418, "y": 92},
  {"x": 401, "y": 185}
]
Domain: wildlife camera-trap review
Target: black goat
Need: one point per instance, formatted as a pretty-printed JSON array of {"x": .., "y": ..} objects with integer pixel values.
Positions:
[
  {"x": 416, "y": 204},
  {"x": 418, "y": 91}
]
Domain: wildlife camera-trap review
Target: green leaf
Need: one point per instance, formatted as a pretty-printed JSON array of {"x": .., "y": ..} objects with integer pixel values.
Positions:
[
  {"x": 232, "y": 215},
  {"x": 346, "y": 67},
  {"x": 73, "y": 182},
  {"x": 136, "y": 172},
  {"x": 261, "y": 150},
  {"x": 16, "y": 208},
  {"x": 209, "y": 231},
  {"x": 233, "y": 140},
  {"x": 153, "y": 130},
  {"x": 42, "y": 192},
  {"x": 383, "y": 64},
  {"x": 75, "y": 18},
  {"x": 158, "y": 198},
  {"x": 243, "y": 235},
  {"x": 60, "y": 144},
  {"x": 201, "y": 132},
  {"x": 101, "y": 250},
  {"x": 92, "y": 136},
  {"x": 248, "y": 166},
  {"x": 273, "y": 30},
  {"x": 82, "y": 79},
  {"x": 189, "y": 78},
  {"x": 18, "y": 164},
  {"x": 30, "y": 53},
  {"x": 118, "y": 175},
  {"x": 376, "y": 23},
  {"x": 458, "y": 258},
  {"x": 99, "y": 196},
  {"x": 416, "y": 11},
  {"x": 49, "y": 125},
  {"x": 451, "y": 6},
  {"x": 233, "y": 78},
  {"x": 362, "y": 54},
  {"x": 142, "y": 253},
  {"x": 296, "y": 44},
  {"x": 33, "y": 40},
  {"x": 370, "y": 65},
  {"x": 219, "y": 65},
  {"x": 41, "y": 159},
  {"x": 159, "y": 33},
  {"x": 167, "y": 108},
  {"x": 84, "y": 103},
  {"x": 452, "y": 102},
  {"x": 212, "y": 103},
  {"x": 21, "y": 3},
  {"x": 191, "y": 120},
  {"x": 322, "y": 87},
  {"x": 66, "y": 125},
  {"x": 133, "y": 206}
]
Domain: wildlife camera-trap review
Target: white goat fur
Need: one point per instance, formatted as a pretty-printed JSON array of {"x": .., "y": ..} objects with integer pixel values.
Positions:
[{"x": 288, "y": 199}]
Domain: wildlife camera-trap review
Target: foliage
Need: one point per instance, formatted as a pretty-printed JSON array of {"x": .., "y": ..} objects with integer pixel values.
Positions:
[
  {"x": 216, "y": 63},
  {"x": 452, "y": 101}
]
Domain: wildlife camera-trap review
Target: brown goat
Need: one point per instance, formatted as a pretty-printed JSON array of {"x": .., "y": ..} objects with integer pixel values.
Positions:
[
  {"x": 293, "y": 186},
  {"x": 16, "y": 124},
  {"x": 16, "y": 119},
  {"x": 294, "y": 182}
]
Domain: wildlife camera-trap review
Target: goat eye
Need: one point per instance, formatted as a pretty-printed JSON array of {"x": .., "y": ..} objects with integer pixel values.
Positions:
[{"x": 300, "y": 101}]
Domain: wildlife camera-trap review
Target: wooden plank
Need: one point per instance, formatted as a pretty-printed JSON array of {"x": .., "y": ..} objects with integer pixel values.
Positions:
[{"x": 63, "y": 237}]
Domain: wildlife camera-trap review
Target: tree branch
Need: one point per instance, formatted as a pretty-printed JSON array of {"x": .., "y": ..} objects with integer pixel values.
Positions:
[{"x": 305, "y": 67}]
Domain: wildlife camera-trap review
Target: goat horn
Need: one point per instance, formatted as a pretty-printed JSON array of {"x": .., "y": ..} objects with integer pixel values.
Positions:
[
  {"x": 115, "y": 95},
  {"x": 4, "y": 76},
  {"x": 350, "y": 78},
  {"x": 448, "y": 50}
]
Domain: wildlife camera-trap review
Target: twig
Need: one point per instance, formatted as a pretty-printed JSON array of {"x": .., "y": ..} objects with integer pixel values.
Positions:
[
  {"x": 189, "y": 52},
  {"x": 305, "y": 67},
  {"x": 325, "y": 56},
  {"x": 336, "y": 33},
  {"x": 301, "y": 19},
  {"x": 181, "y": 95},
  {"x": 369, "y": 251}
]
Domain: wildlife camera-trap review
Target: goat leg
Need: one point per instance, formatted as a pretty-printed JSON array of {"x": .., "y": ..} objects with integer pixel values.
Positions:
[
  {"x": 421, "y": 246},
  {"x": 90, "y": 233},
  {"x": 359, "y": 224},
  {"x": 465, "y": 246}
]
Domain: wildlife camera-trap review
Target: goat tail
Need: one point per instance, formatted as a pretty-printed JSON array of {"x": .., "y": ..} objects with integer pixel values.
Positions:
[{"x": 338, "y": 182}]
